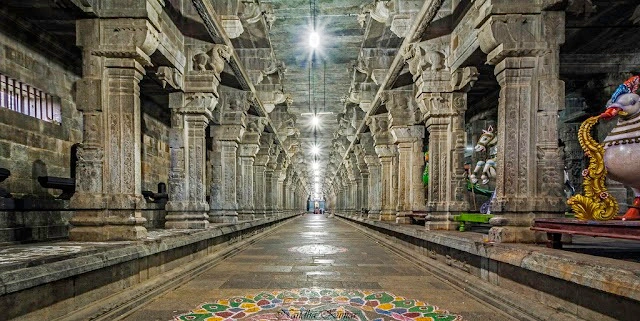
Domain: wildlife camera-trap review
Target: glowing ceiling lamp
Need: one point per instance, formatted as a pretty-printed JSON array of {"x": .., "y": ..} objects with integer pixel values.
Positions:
[
  {"x": 315, "y": 121},
  {"x": 314, "y": 40}
]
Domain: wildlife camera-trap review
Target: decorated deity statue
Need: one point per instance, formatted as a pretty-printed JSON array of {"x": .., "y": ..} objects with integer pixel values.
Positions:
[
  {"x": 487, "y": 168},
  {"x": 618, "y": 156}
]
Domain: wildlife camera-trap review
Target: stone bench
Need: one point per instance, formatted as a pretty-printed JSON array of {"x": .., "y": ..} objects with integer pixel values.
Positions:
[
  {"x": 465, "y": 218},
  {"x": 66, "y": 184},
  {"x": 418, "y": 217},
  {"x": 160, "y": 197}
]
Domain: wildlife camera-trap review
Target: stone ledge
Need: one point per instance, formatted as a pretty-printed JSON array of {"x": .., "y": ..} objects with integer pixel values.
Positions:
[
  {"x": 604, "y": 274},
  {"x": 29, "y": 274}
]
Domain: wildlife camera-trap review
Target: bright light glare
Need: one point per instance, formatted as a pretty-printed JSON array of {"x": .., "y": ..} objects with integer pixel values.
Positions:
[
  {"x": 314, "y": 40},
  {"x": 315, "y": 121},
  {"x": 315, "y": 165},
  {"x": 315, "y": 150},
  {"x": 317, "y": 178}
]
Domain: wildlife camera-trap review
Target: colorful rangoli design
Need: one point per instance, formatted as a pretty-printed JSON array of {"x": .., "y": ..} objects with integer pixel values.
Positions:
[
  {"x": 317, "y": 249},
  {"x": 319, "y": 304}
]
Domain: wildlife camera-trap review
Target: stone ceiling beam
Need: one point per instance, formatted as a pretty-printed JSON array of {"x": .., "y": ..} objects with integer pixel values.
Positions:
[
  {"x": 208, "y": 14},
  {"x": 424, "y": 17}
]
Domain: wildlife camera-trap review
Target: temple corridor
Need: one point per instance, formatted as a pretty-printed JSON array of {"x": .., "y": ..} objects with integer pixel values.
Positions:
[
  {"x": 315, "y": 252},
  {"x": 466, "y": 160}
]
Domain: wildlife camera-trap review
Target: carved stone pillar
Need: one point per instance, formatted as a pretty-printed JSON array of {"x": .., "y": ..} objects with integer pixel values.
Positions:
[
  {"x": 271, "y": 181},
  {"x": 373, "y": 166},
  {"x": 363, "y": 182},
  {"x": 525, "y": 49},
  {"x": 187, "y": 206},
  {"x": 353, "y": 175},
  {"x": 286, "y": 208},
  {"x": 387, "y": 153},
  {"x": 226, "y": 135},
  {"x": 259, "y": 178},
  {"x": 408, "y": 140},
  {"x": 442, "y": 98},
  {"x": 247, "y": 152},
  {"x": 108, "y": 182},
  {"x": 279, "y": 175}
]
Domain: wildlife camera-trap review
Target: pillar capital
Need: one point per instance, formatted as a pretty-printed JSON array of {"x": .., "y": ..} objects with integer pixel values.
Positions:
[
  {"x": 407, "y": 134},
  {"x": 118, "y": 40},
  {"x": 400, "y": 107},
  {"x": 193, "y": 103},
  {"x": 386, "y": 150},
  {"x": 521, "y": 35},
  {"x": 379, "y": 126},
  {"x": 254, "y": 130}
]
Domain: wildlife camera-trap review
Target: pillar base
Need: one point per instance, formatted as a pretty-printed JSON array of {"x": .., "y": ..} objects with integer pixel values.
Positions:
[
  {"x": 107, "y": 233},
  {"x": 388, "y": 216},
  {"x": 516, "y": 227},
  {"x": 246, "y": 216},
  {"x": 186, "y": 220},
  {"x": 515, "y": 234},
  {"x": 219, "y": 216},
  {"x": 373, "y": 215},
  {"x": 402, "y": 218},
  {"x": 440, "y": 221},
  {"x": 100, "y": 225}
]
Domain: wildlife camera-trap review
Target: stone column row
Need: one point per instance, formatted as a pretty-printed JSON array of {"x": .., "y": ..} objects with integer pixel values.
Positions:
[{"x": 108, "y": 196}]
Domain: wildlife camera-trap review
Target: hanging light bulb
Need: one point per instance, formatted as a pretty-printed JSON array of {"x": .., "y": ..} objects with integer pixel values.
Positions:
[
  {"x": 314, "y": 40},
  {"x": 315, "y": 150},
  {"x": 315, "y": 121}
]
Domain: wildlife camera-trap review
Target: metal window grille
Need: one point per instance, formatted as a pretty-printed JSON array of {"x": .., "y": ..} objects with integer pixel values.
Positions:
[{"x": 25, "y": 99}]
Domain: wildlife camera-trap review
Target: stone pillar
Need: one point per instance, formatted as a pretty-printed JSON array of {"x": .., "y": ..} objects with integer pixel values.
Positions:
[
  {"x": 108, "y": 182},
  {"x": 387, "y": 153},
  {"x": 442, "y": 98},
  {"x": 279, "y": 175},
  {"x": 248, "y": 150},
  {"x": 374, "y": 194},
  {"x": 227, "y": 134},
  {"x": 353, "y": 175},
  {"x": 363, "y": 183},
  {"x": 524, "y": 47},
  {"x": 187, "y": 206},
  {"x": 408, "y": 140},
  {"x": 271, "y": 181},
  {"x": 286, "y": 208},
  {"x": 259, "y": 178}
]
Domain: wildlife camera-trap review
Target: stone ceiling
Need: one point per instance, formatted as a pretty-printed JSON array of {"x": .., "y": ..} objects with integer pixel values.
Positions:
[{"x": 317, "y": 80}]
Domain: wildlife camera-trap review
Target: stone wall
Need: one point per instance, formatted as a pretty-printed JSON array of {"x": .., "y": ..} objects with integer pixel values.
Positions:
[
  {"x": 155, "y": 146},
  {"x": 154, "y": 157},
  {"x": 30, "y": 147}
]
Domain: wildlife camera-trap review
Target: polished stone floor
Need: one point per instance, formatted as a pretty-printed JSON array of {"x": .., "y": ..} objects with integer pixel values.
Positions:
[{"x": 316, "y": 268}]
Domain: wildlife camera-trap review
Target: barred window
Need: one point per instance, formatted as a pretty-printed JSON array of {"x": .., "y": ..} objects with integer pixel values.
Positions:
[{"x": 20, "y": 97}]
